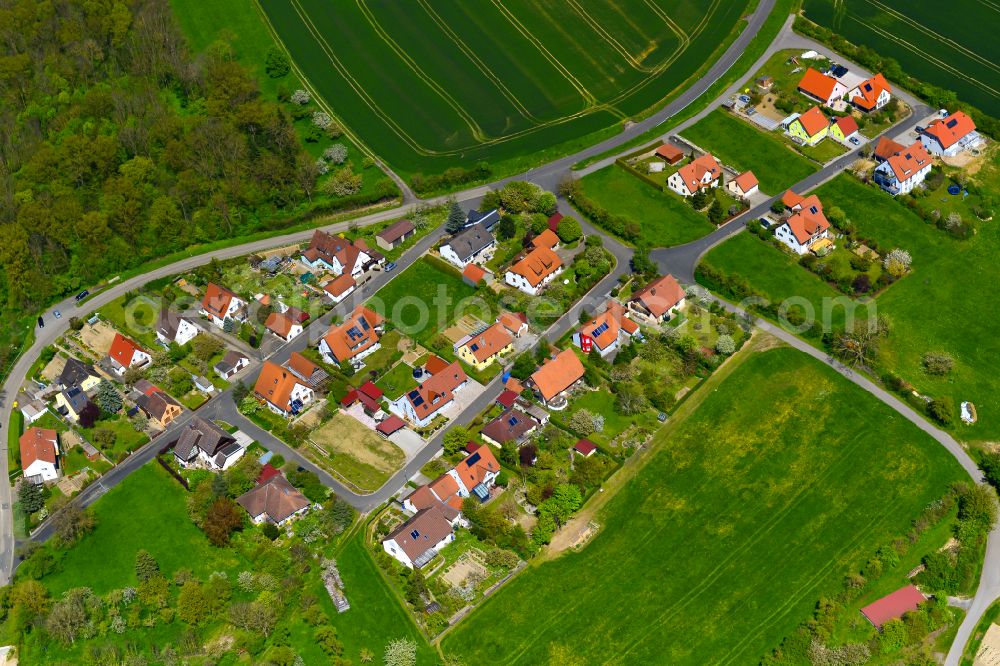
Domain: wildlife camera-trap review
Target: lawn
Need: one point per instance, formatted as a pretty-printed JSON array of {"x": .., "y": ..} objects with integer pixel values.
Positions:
[
  {"x": 355, "y": 452},
  {"x": 423, "y": 299},
  {"x": 75, "y": 459},
  {"x": 147, "y": 510},
  {"x": 824, "y": 151},
  {"x": 954, "y": 51},
  {"x": 726, "y": 538},
  {"x": 396, "y": 381},
  {"x": 740, "y": 145},
  {"x": 665, "y": 218},
  {"x": 603, "y": 402},
  {"x": 126, "y": 438},
  {"x": 531, "y": 75}
]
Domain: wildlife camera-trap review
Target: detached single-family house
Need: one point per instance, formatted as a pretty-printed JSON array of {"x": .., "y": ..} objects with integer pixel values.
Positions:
[
  {"x": 125, "y": 354},
  {"x": 606, "y": 331},
  {"x": 71, "y": 401},
  {"x": 417, "y": 541},
  {"x": 306, "y": 370},
  {"x": 420, "y": 405},
  {"x": 807, "y": 229},
  {"x": 904, "y": 170},
  {"x": 79, "y": 374},
  {"x": 821, "y": 87},
  {"x": 354, "y": 339},
  {"x": 174, "y": 328},
  {"x": 516, "y": 323},
  {"x": 472, "y": 477},
  {"x": 158, "y": 406},
  {"x": 744, "y": 185},
  {"x": 231, "y": 363},
  {"x": 275, "y": 501},
  {"x": 340, "y": 287},
  {"x": 701, "y": 173},
  {"x": 283, "y": 392},
  {"x": 484, "y": 348},
  {"x": 512, "y": 425},
  {"x": 395, "y": 234},
  {"x": 810, "y": 127},
  {"x": 339, "y": 255},
  {"x": 534, "y": 271},
  {"x": 670, "y": 153},
  {"x": 39, "y": 451},
  {"x": 886, "y": 148},
  {"x": 950, "y": 135},
  {"x": 658, "y": 301},
  {"x": 488, "y": 219},
  {"x": 547, "y": 238},
  {"x": 844, "y": 129},
  {"x": 282, "y": 325},
  {"x": 220, "y": 304},
  {"x": 871, "y": 94},
  {"x": 471, "y": 245},
  {"x": 203, "y": 443},
  {"x": 556, "y": 375}
]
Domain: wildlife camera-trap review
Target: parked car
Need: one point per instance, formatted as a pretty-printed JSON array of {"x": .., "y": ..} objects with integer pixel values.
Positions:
[
  {"x": 56, "y": 314},
  {"x": 41, "y": 323},
  {"x": 855, "y": 140},
  {"x": 745, "y": 99},
  {"x": 82, "y": 295},
  {"x": 751, "y": 110},
  {"x": 390, "y": 266}
]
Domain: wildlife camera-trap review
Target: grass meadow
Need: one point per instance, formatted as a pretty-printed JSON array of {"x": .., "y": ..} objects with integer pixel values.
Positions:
[
  {"x": 954, "y": 47},
  {"x": 428, "y": 85},
  {"x": 665, "y": 218},
  {"x": 725, "y": 539},
  {"x": 739, "y": 144},
  {"x": 944, "y": 305}
]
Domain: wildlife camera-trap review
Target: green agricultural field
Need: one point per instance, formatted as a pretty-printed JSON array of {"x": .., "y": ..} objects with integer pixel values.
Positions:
[
  {"x": 739, "y": 144},
  {"x": 955, "y": 49},
  {"x": 726, "y": 538},
  {"x": 665, "y": 218},
  {"x": 429, "y": 85},
  {"x": 422, "y": 300}
]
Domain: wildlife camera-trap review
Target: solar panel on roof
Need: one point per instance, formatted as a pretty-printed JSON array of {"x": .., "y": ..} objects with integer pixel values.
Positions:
[
  {"x": 473, "y": 459},
  {"x": 474, "y": 347},
  {"x": 364, "y": 323},
  {"x": 418, "y": 401},
  {"x": 413, "y": 394},
  {"x": 414, "y": 533},
  {"x": 813, "y": 210},
  {"x": 951, "y": 123},
  {"x": 512, "y": 421}
]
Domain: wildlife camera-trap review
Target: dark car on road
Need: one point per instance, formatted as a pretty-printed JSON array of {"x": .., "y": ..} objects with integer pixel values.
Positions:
[{"x": 82, "y": 295}]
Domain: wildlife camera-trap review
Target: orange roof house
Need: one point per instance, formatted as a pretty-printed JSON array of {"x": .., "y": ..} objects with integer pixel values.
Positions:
[
  {"x": 847, "y": 125},
  {"x": 744, "y": 184},
  {"x": 908, "y": 162},
  {"x": 558, "y": 374},
  {"x": 340, "y": 286},
  {"x": 356, "y": 337},
  {"x": 886, "y": 148},
  {"x": 547, "y": 238},
  {"x": 814, "y": 121},
  {"x": 126, "y": 353},
  {"x": 217, "y": 302},
  {"x": 282, "y": 325},
  {"x": 604, "y": 330},
  {"x": 944, "y": 135},
  {"x": 658, "y": 298},
  {"x": 699, "y": 173},
  {"x": 281, "y": 389},
  {"x": 515, "y": 322},
  {"x": 435, "y": 364},
  {"x": 38, "y": 453},
  {"x": 477, "y": 467},
  {"x": 821, "y": 87},
  {"x": 479, "y": 349},
  {"x": 869, "y": 96},
  {"x": 806, "y": 225},
  {"x": 424, "y": 402},
  {"x": 540, "y": 265}
]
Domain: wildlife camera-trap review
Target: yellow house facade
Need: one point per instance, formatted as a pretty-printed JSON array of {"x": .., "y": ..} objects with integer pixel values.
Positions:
[
  {"x": 811, "y": 127},
  {"x": 482, "y": 349}
]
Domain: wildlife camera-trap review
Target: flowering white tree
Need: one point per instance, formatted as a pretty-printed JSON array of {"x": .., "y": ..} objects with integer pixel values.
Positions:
[
  {"x": 336, "y": 153},
  {"x": 401, "y": 652},
  {"x": 300, "y": 97},
  {"x": 322, "y": 168},
  {"x": 897, "y": 262},
  {"x": 322, "y": 120},
  {"x": 725, "y": 345}
]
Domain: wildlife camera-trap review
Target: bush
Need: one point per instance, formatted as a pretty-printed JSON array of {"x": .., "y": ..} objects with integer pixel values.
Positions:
[
  {"x": 276, "y": 63},
  {"x": 942, "y": 410},
  {"x": 937, "y": 363}
]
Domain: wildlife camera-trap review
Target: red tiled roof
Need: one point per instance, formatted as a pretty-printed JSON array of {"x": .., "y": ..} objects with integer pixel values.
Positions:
[
  {"x": 791, "y": 199},
  {"x": 340, "y": 285},
  {"x": 506, "y": 398},
  {"x": 847, "y": 124},
  {"x": 893, "y": 606},
  {"x": 394, "y": 232},
  {"x": 489, "y": 343},
  {"x": 122, "y": 350},
  {"x": 813, "y": 121},
  {"x": 869, "y": 90},
  {"x": 438, "y": 391},
  {"x": 513, "y": 321},
  {"x": 537, "y": 265},
  {"x": 435, "y": 364},
  {"x": 886, "y": 148},
  {"x": 746, "y": 181},
  {"x": 390, "y": 425},
  {"x": 558, "y": 374},
  {"x": 949, "y": 130},
  {"x": 346, "y": 347},
  {"x": 301, "y": 366},
  {"x": 474, "y": 468},
  {"x": 267, "y": 472},
  {"x": 659, "y": 295},
  {"x": 37, "y": 444},
  {"x": 693, "y": 172},
  {"x": 217, "y": 299},
  {"x": 275, "y": 384},
  {"x": 585, "y": 446},
  {"x": 279, "y": 323},
  {"x": 474, "y": 272},
  {"x": 817, "y": 84},
  {"x": 805, "y": 224},
  {"x": 669, "y": 152},
  {"x": 909, "y": 161},
  {"x": 554, "y": 220},
  {"x": 547, "y": 238}
]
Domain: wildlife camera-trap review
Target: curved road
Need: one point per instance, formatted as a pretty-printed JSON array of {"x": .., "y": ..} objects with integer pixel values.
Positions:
[{"x": 681, "y": 261}]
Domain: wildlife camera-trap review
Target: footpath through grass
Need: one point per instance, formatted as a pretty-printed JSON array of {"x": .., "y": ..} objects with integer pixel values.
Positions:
[
  {"x": 665, "y": 218},
  {"x": 742, "y": 146},
  {"x": 726, "y": 538}
]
